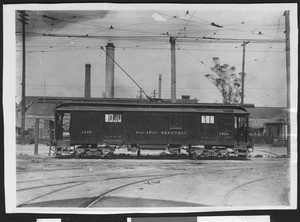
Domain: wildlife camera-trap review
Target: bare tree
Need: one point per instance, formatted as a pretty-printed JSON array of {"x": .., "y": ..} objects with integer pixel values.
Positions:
[{"x": 227, "y": 81}]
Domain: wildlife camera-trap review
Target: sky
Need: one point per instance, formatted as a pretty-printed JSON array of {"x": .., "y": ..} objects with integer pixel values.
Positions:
[{"x": 60, "y": 42}]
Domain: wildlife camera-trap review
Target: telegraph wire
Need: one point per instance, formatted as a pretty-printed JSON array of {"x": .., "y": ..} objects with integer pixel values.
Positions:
[
  {"x": 57, "y": 48},
  {"x": 259, "y": 100},
  {"x": 194, "y": 56},
  {"x": 22, "y": 56},
  {"x": 194, "y": 39},
  {"x": 185, "y": 25},
  {"x": 153, "y": 31},
  {"x": 255, "y": 60},
  {"x": 145, "y": 46},
  {"x": 207, "y": 22},
  {"x": 265, "y": 55},
  {"x": 258, "y": 34},
  {"x": 106, "y": 28},
  {"x": 260, "y": 19},
  {"x": 170, "y": 16},
  {"x": 118, "y": 87}
]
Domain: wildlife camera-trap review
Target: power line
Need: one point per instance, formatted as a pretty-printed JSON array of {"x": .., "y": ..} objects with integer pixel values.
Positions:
[
  {"x": 144, "y": 46},
  {"x": 255, "y": 60},
  {"x": 206, "y": 22},
  {"x": 258, "y": 99},
  {"x": 193, "y": 39},
  {"x": 260, "y": 19},
  {"x": 19, "y": 59},
  {"x": 258, "y": 34},
  {"x": 265, "y": 55},
  {"x": 126, "y": 74},
  {"x": 74, "y": 87},
  {"x": 185, "y": 25},
  {"x": 106, "y": 28},
  {"x": 83, "y": 48},
  {"x": 194, "y": 57}
]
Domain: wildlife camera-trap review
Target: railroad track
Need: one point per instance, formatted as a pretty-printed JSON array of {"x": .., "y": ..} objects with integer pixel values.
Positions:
[
  {"x": 94, "y": 199},
  {"x": 47, "y": 193},
  {"x": 228, "y": 195},
  {"x": 84, "y": 176}
]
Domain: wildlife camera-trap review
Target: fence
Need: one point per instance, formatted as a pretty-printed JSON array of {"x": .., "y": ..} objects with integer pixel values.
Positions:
[{"x": 44, "y": 131}]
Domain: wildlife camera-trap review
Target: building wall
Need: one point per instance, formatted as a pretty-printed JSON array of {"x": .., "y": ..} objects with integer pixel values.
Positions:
[{"x": 276, "y": 131}]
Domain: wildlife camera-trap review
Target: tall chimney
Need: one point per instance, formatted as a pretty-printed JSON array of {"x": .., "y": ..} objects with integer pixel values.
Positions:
[
  {"x": 87, "y": 85},
  {"x": 159, "y": 86},
  {"x": 110, "y": 71}
]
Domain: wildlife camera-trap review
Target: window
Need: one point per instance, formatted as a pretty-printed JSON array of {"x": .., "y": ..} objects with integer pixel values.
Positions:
[
  {"x": 176, "y": 122},
  {"x": 113, "y": 118},
  {"x": 208, "y": 119}
]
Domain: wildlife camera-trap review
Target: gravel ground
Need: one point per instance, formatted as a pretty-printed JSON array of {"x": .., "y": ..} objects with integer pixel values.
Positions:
[{"x": 50, "y": 182}]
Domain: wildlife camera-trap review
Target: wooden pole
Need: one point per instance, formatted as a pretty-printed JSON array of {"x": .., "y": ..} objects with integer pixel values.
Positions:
[
  {"x": 173, "y": 70},
  {"x": 87, "y": 85},
  {"x": 243, "y": 72},
  {"x": 288, "y": 73},
  {"x": 23, "y": 20},
  {"x": 36, "y": 138}
]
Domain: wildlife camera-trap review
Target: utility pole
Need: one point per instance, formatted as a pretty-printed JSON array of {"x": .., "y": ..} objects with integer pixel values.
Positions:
[
  {"x": 36, "y": 137},
  {"x": 141, "y": 94},
  {"x": 173, "y": 70},
  {"x": 154, "y": 93},
  {"x": 159, "y": 86},
  {"x": 23, "y": 19},
  {"x": 288, "y": 74},
  {"x": 243, "y": 71}
]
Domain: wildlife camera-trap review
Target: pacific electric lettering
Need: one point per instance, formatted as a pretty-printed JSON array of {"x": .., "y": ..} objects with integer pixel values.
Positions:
[{"x": 161, "y": 132}]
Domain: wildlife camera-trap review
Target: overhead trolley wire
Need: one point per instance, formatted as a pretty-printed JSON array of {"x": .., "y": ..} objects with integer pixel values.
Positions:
[
  {"x": 185, "y": 25},
  {"x": 194, "y": 56},
  {"x": 186, "y": 39},
  {"x": 260, "y": 19},
  {"x": 207, "y": 22},
  {"x": 265, "y": 55},
  {"x": 258, "y": 99}
]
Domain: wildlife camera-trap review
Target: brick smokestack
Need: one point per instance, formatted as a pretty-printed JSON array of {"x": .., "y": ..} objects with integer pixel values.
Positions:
[
  {"x": 110, "y": 70},
  {"x": 87, "y": 85}
]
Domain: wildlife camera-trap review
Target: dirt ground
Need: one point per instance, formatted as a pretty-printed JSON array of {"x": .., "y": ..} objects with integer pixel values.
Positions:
[{"x": 262, "y": 180}]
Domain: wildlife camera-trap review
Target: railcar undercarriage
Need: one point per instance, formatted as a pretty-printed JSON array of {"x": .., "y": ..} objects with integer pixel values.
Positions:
[{"x": 182, "y": 152}]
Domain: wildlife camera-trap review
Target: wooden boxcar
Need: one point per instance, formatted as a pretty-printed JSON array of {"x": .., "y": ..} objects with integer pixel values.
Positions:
[{"x": 151, "y": 124}]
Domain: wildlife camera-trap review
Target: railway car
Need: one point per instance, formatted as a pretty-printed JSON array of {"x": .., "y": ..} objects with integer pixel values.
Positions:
[{"x": 109, "y": 125}]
